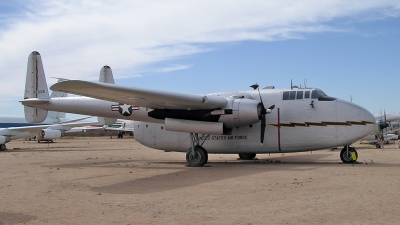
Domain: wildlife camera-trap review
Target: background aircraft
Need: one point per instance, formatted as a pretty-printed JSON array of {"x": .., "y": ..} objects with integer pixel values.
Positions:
[
  {"x": 386, "y": 129},
  {"x": 122, "y": 127},
  {"x": 55, "y": 123},
  {"x": 14, "y": 127},
  {"x": 282, "y": 120}
]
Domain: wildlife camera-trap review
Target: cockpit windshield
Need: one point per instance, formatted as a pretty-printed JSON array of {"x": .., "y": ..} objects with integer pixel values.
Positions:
[
  {"x": 304, "y": 94},
  {"x": 317, "y": 93}
]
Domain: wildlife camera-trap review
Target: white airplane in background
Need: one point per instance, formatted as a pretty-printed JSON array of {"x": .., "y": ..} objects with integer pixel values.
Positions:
[
  {"x": 295, "y": 119},
  {"x": 386, "y": 127},
  {"x": 122, "y": 126},
  {"x": 15, "y": 127}
]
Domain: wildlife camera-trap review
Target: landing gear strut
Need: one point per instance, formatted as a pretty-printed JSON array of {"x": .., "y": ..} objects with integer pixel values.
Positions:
[
  {"x": 197, "y": 156},
  {"x": 348, "y": 155}
]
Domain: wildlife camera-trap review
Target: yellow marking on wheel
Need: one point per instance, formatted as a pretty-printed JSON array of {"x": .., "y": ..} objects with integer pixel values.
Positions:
[{"x": 353, "y": 155}]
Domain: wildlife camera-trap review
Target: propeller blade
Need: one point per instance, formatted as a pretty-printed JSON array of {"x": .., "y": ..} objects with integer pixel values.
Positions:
[
  {"x": 263, "y": 112},
  {"x": 263, "y": 125}
]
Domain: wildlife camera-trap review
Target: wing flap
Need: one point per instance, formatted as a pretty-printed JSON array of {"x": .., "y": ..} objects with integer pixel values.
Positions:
[{"x": 142, "y": 97}]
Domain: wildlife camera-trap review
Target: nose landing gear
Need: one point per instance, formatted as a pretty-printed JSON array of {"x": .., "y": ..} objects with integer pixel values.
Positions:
[{"x": 348, "y": 154}]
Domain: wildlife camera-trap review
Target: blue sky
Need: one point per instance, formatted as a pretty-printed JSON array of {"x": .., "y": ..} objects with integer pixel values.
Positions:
[{"x": 345, "y": 48}]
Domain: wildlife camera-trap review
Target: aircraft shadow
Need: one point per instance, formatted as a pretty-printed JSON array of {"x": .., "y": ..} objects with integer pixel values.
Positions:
[{"x": 218, "y": 170}]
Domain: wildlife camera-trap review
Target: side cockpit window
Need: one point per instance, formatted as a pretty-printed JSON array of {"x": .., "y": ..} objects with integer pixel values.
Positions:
[
  {"x": 307, "y": 94},
  {"x": 285, "y": 95},
  {"x": 293, "y": 95},
  {"x": 299, "y": 95}
]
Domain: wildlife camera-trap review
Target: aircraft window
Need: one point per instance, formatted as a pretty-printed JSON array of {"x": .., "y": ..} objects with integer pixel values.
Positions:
[
  {"x": 292, "y": 95},
  {"x": 285, "y": 95},
  {"x": 299, "y": 95},
  {"x": 317, "y": 93},
  {"x": 307, "y": 94}
]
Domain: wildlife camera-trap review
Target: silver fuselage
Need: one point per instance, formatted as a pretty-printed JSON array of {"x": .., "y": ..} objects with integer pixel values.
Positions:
[{"x": 294, "y": 125}]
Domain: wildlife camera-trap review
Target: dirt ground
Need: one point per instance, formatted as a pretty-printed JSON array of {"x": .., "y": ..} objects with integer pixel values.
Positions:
[{"x": 119, "y": 181}]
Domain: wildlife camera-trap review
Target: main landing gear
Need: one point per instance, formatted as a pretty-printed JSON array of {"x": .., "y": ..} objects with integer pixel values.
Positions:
[
  {"x": 348, "y": 155},
  {"x": 197, "y": 156},
  {"x": 247, "y": 156}
]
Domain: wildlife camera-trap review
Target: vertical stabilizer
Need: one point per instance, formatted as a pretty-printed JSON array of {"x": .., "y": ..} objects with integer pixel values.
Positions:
[
  {"x": 35, "y": 87},
  {"x": 106, "y": 76}
]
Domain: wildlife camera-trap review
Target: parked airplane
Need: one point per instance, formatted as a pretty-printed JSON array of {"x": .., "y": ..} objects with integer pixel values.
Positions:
[
  {"x": 55, "y": 123},
  {"x": 386, "y": 128},
  {"x": 122, "y": 126},
  {"x": 295, "y": 119},
  {"x": 14, "y": 127}
]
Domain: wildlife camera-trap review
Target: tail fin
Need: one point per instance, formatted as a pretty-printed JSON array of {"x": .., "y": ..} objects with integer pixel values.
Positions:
[
  {"x": 106, "y": 76},
  {"x": 35, "y": 87}
]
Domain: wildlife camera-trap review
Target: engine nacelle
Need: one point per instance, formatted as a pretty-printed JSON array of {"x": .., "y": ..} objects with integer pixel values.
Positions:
[
  {"x": 4, "y": 139},
  {"x": 191, "y": 126},
  {"x": 244, "y": 112},
  {"x": 49, "y": 134}
]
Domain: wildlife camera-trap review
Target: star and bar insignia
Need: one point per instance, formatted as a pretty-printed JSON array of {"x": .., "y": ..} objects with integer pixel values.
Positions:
[{"x": 124, "y": 109}]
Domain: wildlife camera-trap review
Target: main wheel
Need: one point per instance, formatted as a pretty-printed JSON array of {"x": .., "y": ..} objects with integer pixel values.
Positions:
[
  {"x": 2, "y": 147},
  {"x": 377, "y": 145},
  {"x": 199, "y": 158},
  {"x": 247, "y": 156},
  {"x": 348, "y": 158}
]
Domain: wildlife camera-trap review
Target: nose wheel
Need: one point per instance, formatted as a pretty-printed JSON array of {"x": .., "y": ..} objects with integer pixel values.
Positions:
[{"x": 348, "y": 155}]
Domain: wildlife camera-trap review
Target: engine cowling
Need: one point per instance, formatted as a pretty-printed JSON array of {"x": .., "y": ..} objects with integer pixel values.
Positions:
[
  {"x": 4, "y": 139},
  {"x": 244, "y": 112},
  {"x": 49, "y": 134}
]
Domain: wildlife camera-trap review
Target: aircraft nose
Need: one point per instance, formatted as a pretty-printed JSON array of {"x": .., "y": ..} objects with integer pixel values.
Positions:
[{"x": 360, "y": 122}]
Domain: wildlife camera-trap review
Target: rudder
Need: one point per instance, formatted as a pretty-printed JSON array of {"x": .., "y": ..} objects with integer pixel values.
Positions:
[{"x": 35, "y": 87}]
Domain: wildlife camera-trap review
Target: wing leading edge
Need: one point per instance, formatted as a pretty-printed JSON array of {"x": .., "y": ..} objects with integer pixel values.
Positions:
[{"x": 142, "y": 97}]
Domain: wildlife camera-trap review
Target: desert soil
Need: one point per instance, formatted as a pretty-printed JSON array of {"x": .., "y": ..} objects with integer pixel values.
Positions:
[{"x": 119, "y": 181}]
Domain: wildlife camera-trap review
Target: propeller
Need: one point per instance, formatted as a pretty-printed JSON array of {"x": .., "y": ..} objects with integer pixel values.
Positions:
[{"x": 262, "y": 112}]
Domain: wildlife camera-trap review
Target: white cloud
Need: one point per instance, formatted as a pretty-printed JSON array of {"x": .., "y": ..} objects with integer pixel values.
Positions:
[{"x": 76, "y": 38}]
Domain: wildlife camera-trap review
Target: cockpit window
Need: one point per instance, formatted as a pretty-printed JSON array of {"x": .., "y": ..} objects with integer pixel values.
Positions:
[
  {"x": 292, "y": 95},
  {"x": 285, "y": 95},
  {"x": 317, "y": 93},
  {"x": 307, "y": 94},
  {"x": 299, "y": 95}
]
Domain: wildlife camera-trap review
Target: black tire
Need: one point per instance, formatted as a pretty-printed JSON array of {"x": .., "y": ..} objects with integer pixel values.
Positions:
[
  {"x": 247, "y": 156},
  {"x": 3, "y": 147},
  {"x": 377, "y": 145},
  {"x": 199, "y": 159},
  {"x": 348, "y": 158}
]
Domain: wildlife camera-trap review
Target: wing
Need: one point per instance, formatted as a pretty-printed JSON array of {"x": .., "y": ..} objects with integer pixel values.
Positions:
[
  {"x": 140, "y": 97},
  {"x": 14, "y": 131}
]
